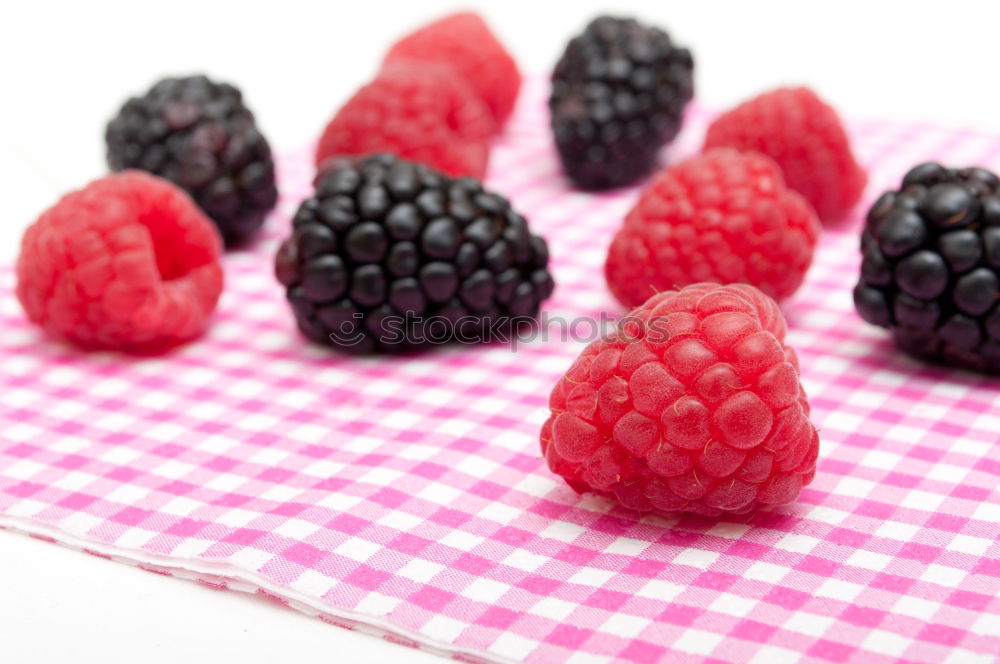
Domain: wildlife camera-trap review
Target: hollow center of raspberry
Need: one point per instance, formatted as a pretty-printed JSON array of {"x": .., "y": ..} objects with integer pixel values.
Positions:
[{"x": 176, "y": 250}]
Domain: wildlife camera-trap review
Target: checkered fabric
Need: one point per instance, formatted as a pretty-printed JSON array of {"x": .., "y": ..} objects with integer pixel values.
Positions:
[{"x": 408, "y": 496}]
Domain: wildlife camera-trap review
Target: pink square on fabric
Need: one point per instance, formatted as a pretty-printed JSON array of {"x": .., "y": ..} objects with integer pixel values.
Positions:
[
  {"x": 367, "y": 577},
  {"x": 430, "y": 598},
  {"x": 753, "y": 630},
  {"x": 643, "y": 651},
  {"x": 186, "y": 527},
  {"x": 568, "y": 636},
  {"x": 497, "y": 617},
  {"x": 409, "y": 489},
  {"x": 787, "y": 598},
  {"x": 830, "y": 651},
  {"x": 969, "y": 600},
  {"x": 863, "y": 616},
  {"x": 303, "y": 554},
  {"x": 943, "y": 634}
]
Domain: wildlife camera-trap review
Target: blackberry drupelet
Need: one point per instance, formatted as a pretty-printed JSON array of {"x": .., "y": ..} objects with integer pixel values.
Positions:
[
  {"x": 199, "y": 135},
  {"x": 931, "y": 255},
  {"x": 618, "y": 96},
  {"x": 389, "y": 255}
]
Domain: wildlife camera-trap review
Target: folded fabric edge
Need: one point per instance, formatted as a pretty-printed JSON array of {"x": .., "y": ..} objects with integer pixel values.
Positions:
[{"x": 226, "y": 577}]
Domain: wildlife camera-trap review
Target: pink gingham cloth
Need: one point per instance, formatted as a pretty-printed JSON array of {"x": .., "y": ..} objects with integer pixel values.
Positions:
[{"x": 407, "y": 496}]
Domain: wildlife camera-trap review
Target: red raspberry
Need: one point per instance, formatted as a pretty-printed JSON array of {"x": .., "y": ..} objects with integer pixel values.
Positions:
[
  {"x": 805, "y": 138},
  {"x": 464, "y": 42},
  {"x": 129, "y": 262},
  {"x": 693, "y": 405},
  {"x": 418, "y": 112},
  {"x": 723, "y": 216}
]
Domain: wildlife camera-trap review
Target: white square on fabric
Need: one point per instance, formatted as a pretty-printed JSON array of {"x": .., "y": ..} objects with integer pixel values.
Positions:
[
  {"x": 627, "y": 546},
  {"x": 525, "y": 560},
  {"x": 808, "y": 623},
  {"x": 236, "y": 517},
  {"x": 974, "y": 546},
  {"x": 768, "y": 654},
  {"x": 904, "y": 532},
  {"x": 512, "y": 646},
  {"x": 886, "y": 643},
  {"x": 563, "y": 531},
  {"x": 498, "y": 512},
  {"x": 554, "y": 608},
  {"x": 922, "y": 500},
  {"x": 443, "y": 628},
  {"x": 949, "y": 577},
  {"x": 844, "y": 591},
  {"x": 869, "y": 560},
  {"x": 420, "y": 570},
  {"x": 24, "y": 469},
  {"x": 916, "y": 607},
  {"x": 19, "y": 432},
  {"x": 733, "y": 605},
  {"x": 664, "y": 591},
  {"x": 461, "y": 540},
  {"x": 625, "y": 625},
  {"x": 698, "y": 641},
  {"x": 767, "y": 572},
  {"x": 297, "y": 529},
  {"x": 174, "y": 469},
  {"x": 206, "y": 410},
  {"x": 400, "y": 520},
  {"x": 696, "y": 558},
  {"x": 357, "y": 549},
  {"x": 591, "y": 576},
  {"x": 311, "y": 582},
  {"x": 485, "y": 590},
  {"x": 797, "y": 543},
  {"x": 377, "y": 604}
]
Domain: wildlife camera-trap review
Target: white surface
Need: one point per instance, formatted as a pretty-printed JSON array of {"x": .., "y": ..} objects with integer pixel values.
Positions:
[
  {"x": 86, "y": 610},
  {"x": 67, "y": 66}
]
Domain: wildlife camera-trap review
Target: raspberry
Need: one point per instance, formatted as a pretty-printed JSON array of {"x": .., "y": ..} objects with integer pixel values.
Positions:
[
  {"x": 199, "y": 135},
  {"x": 931, "y": 268},
  {"x": 465, "y": 43},
  {"x": 723, "y": 216},
  {"x": 805, "y": 138},
  {"x": 418, "y": 112},
  {"x": 693, "y": 404},
  {"x": 389, "y": 255},
  {"x": 128, "y": 262},
  {"x": 618, "y": 96}
]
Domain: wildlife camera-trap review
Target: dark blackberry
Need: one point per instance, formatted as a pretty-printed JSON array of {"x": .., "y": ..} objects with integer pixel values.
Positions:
[
  {"x": 199, "y": 135},
  {"x": 618, "y": 96},
  {"x": 931, "y": 255},
  {"x": 390, "y": 255}
]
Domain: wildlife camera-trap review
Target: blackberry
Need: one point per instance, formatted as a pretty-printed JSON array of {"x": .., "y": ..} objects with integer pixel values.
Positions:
[
  {"x": 931, "y": 255},
  {"x": 199, "y": 135},
  {"x": 618, "y": 96},
  {"x": 389, "y": 255}
]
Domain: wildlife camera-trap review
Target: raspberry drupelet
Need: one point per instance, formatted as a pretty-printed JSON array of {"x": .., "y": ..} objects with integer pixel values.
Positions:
[
  {"x": 694, "y": 404},
  {"x": 724, "y": 216},
  {"x": 416, "y": 111},
  {"x": 465, "y": 43},
  {"x": 806, "y": 138},
  {"x": 127, "y": 262}
]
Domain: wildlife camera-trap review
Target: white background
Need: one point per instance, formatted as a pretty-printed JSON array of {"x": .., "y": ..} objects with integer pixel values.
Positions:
[{"x": 65, "y": 68}]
